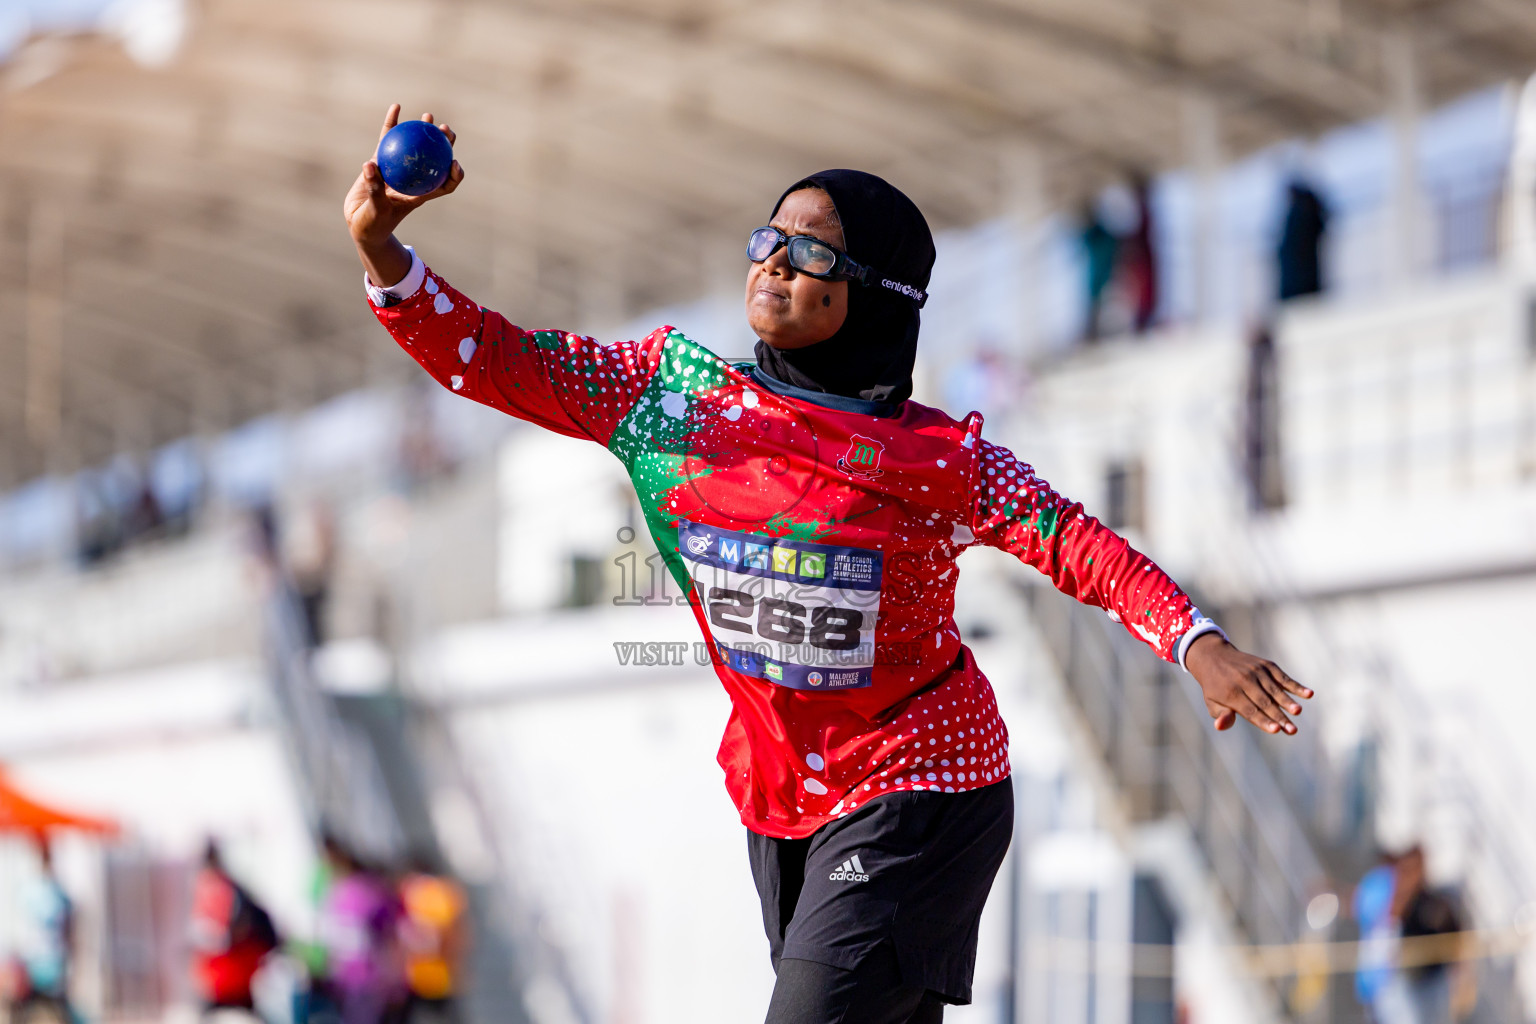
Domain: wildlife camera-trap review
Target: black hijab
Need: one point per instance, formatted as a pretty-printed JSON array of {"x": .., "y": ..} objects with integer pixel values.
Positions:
[{"x": 871, "y": 355}]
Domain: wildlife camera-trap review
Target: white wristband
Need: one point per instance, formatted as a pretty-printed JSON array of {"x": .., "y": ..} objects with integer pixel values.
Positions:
[
  {"x": 1199, "y": 626},
  {"x": 401, "y": 289}
]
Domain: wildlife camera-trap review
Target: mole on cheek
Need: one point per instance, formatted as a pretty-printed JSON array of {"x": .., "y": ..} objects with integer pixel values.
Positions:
[{"x": 826, "y": 300}]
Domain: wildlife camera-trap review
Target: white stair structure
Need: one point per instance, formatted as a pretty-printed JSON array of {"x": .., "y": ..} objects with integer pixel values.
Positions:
[{"x": 1395, "y": 570}]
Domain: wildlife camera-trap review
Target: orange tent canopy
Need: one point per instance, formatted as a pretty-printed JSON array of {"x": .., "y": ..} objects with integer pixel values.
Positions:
[{"x": 19, "y": 813}]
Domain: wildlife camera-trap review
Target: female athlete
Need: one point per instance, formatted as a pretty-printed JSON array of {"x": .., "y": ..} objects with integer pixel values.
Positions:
[{"x": 813, "y": 514}]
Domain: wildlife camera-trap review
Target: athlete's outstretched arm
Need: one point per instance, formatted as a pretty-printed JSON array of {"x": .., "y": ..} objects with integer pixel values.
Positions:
[
  {"x": 1020, "y": 513},
  {"x": 561, "y": 381}
]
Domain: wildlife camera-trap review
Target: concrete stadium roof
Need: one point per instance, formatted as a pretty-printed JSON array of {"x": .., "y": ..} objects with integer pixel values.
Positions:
[{"x": 173, "y": 240}]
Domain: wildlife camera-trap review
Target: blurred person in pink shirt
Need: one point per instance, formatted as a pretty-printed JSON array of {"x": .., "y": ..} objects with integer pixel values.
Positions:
[{"x": 359, "y": 920}]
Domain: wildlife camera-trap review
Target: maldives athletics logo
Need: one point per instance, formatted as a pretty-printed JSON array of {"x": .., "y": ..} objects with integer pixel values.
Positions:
[{"x": 862, "y": 458}]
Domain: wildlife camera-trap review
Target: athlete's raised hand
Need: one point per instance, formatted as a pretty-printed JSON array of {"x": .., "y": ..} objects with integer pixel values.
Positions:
[
  {"x": 374, "y": 210},
  {"x": 1238, "y": 683}
]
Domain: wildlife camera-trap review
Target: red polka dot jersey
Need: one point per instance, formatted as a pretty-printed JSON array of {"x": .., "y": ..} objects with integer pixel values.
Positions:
[{"x": 817, "y": 546}]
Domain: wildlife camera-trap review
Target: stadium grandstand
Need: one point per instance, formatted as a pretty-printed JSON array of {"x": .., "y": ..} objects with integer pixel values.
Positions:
[{"x": 1256, "y": 282}]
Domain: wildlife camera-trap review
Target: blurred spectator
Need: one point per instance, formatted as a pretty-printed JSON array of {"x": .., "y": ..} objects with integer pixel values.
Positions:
[
  {"x": 179, "y": 481},
  {"x": 433, "y": 937},
  {"x": 98, "y": 535},
  {"x": 1261, "y": 455},
  {"x": 1402, "y": 978},
  {"x": 1138, "y": 260},
  {"x": 47, "y": 946},
  {"x": 143, "y": 517},
  {"x": 294, "y": 565},
  {"x": 1426, "y": 912},
  {"x": 1120, "y": 260},
  {"x": 261, "y": 544},
  {"x": 263, "y": 535},
  {"x": 1100, "y": 247},
  {"x": 1306, "y": 219},
  {"x": 1372, "y": 906},
  {"x": 363, "y": 979},
  {"x": 231, "y": 936},
  {"x": 116, "y": 506},
  {"x": 311, "y": 558},
  {"x": 423, "y": 457}
]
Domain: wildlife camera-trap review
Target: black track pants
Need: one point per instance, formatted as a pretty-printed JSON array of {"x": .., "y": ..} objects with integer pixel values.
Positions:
[
  {"x": 874, "y": 917},
  {"x": 872, "y": 993}
]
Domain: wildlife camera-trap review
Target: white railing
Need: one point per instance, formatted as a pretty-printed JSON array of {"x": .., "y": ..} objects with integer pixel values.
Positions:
[
  {"x": 1411, "y": 400},
  {"x": 1154, "y": 735},
  {"x": 171, "y": 602}
]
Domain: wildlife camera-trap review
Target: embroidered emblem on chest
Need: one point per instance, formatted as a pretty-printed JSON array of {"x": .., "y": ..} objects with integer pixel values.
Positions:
[{"x": 862, "y": 458}]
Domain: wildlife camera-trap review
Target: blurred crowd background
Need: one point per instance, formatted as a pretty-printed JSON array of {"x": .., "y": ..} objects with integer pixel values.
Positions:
[{"x": 319, "y": 693}]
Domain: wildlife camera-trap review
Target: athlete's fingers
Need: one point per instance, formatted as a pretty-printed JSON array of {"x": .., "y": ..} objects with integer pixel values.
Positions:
[
  {"x": 1269, "y": 678},
  {"x": 1287, "y": 682},
  {"x": 391, "y": 118},
  {"x": 1275, "y": 721},
  {"x": 455, "y": 176},
  {"x": 397, "y": 198},
  {"x": 1222, "y": 717},
  {"x": 1245, "y": 706},
  {"x": 446, "y": 130},
  {"x": 1216, "y": 709},
  {"x": 1262, "y": 699},
  {"x": 373, "y": 183},
  {"x": 427, "y": 117},
  {"x": 1259, "y": 720},
  {"x": 1283, "y": 694}
]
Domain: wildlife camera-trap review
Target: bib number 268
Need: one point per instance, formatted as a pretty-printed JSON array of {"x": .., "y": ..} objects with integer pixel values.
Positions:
[{"x": 825, "y": 626}]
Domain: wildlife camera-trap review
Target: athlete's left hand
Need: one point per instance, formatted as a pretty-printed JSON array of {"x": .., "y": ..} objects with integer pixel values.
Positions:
[{"x": 1238, "y": 683}]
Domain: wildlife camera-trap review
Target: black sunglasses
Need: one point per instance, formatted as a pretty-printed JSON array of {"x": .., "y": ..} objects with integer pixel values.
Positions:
[{"x": 816, "y": 258}]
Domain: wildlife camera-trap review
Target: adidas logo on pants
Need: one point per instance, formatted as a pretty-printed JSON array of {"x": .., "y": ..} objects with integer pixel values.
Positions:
[{"x": 851, "y": 871}]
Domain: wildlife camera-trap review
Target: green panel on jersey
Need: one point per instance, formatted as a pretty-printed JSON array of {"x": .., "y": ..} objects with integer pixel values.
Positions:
[{"x": 652, "y": 439}]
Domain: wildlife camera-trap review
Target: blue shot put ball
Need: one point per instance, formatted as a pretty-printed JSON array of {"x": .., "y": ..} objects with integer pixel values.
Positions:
[{"x": 415, "y": 158}]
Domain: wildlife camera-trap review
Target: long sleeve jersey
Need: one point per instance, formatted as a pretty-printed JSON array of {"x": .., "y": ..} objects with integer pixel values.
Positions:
[{"x": 816, "y": 539}]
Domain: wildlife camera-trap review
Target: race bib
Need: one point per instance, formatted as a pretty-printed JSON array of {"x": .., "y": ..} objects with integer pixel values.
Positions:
[{"x": 797, "y": 614}]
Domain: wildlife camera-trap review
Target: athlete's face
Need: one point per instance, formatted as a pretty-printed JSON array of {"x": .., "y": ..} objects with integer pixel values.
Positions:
[{"x": 786, "y": 308}]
